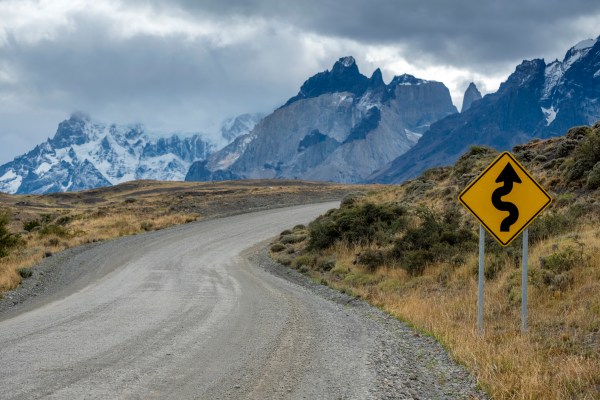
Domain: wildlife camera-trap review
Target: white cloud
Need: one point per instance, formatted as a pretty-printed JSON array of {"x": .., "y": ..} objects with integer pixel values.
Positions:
[{"x": 186, "y": 65}]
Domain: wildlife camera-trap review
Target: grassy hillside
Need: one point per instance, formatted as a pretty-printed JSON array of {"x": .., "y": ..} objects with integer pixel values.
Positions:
[
  {"x": 33, "y": 227},
  {"x": 412, "y": 250}
]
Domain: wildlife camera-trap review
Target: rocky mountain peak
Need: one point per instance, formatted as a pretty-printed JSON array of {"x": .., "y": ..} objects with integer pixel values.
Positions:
[
  {"x": 471, "y": 94},
  {"x": 529, "y": 72},
  {"x": 406, "y": 80},
  {"x": 343, "y": 77},
  {"x": 376, "y": 79},
  {"x": 71, "y": 131}
]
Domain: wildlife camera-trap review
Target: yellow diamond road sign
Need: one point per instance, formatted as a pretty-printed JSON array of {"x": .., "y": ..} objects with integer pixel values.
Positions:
[{"x": 505, "y": 198}]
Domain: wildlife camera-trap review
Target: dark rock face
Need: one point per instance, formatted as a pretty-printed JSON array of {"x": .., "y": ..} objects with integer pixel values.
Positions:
[
  {"x": 537, "y": 100},
  {"x": 471, "y": 94},
  {"x": 343, "y": 77},
  {"x": 85, "y": 155},
  {"x": 341, "y": 126}
]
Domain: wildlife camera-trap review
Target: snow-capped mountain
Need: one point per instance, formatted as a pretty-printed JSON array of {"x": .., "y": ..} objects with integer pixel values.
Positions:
[
  {"x": 84, "y": 154},
  {"x": 538, "y": 100},
  {"x": 240, "y": 125},
  {"x": 341, "y": 126}
]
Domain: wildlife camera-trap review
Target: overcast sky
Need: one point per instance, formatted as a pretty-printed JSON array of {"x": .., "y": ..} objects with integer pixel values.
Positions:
[{"x": 187, "y": 65}]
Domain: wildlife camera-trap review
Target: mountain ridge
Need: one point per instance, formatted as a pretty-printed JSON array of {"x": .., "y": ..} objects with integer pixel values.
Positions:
[
  {"x": 537, "y": 100},
  {"x": 85, "y": 154},
  {"x": 341, "y": 126}
]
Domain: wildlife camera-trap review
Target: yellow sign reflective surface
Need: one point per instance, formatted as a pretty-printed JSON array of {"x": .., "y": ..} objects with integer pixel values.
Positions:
[{"x": 505, "y": 198}]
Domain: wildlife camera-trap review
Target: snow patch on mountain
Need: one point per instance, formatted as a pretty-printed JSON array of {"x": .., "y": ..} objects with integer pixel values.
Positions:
[
  {"x": 550, "y": 114},
  {"x": 585, "y": 44},
  {"x": 556, "y": 69},
  {"x": 412, "y": 136}
]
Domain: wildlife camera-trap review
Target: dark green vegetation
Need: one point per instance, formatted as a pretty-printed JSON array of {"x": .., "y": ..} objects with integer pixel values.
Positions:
[{"x": 8, "y": 240}]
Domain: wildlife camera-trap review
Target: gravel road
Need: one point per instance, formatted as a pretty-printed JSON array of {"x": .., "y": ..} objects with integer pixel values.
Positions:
[{"x": 199, "y": 312}]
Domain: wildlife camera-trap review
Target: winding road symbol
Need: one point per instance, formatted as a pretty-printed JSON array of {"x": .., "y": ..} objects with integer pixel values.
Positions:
[
  {"x": 508, "y": 176},
  {"x": 505, "y": 198}
]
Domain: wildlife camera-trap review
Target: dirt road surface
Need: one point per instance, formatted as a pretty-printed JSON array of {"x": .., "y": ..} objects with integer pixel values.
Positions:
[{"x": 182, "y": 313}]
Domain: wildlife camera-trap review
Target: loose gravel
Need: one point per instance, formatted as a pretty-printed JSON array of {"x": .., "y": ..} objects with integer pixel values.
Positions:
[{"x": 408, "y": 364}]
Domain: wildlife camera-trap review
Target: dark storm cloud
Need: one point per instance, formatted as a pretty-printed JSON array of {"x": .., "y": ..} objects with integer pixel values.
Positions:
[{"x": 461, "y": 33}]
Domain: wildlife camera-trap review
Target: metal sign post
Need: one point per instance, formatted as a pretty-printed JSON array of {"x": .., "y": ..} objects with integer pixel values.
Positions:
[
  {"x": 524, "y": 281},
  {"x": 505, "y": 199},
  {"x": 481, "y": 279}
]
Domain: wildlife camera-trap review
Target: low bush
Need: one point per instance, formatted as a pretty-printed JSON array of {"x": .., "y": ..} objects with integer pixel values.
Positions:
[
  {"x": 548, "y": 225},
  {"x": 306, "y": 260},
  {"x": 562, "y": 261},
  {"x": 8, "y": 240},
  {"x": 277, "y": 247},
  {"x": 53, "y": 229},
  {"x": 291, "y": 239},
  {"x": 593, "y": 179},
  {"x": 31, "y": 225},
  {"x": 371, "y": 259},
  {"x": 362, "y": 224},
  {"x": 326, "y": 264},
  {"x": 436, "y": 238},
  {"x": 351, "y": 199},
  {"x": 25, "y": 272},
  {"x": 147, "y": 226}
]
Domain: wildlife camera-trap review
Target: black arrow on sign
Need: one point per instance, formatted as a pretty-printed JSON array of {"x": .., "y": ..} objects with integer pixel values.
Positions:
[{"x": 508, "y": 176}]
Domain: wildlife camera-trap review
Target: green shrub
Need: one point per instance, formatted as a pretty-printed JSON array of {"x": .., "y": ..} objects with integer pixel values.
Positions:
[
  {"x": 466, "y": 162},
  {"x": 277, "y": 247},
  {"x": 31, "y": 225},
  {"x": 8, "y": 240},
  {"x": 307, "y": 260},
  {"x": 371, "y": 259},
  {"x": 147, "y": 226},
  {"x": 548, "y": 225},
  {"x": 53, "y": 229},
  {"x": 593, "y": 180},
  {"x": 25, "y": 272},
  {"x": 561, "y": 261},
  {"x": 362, "y": 224},
  {"x": 291, "y": 239},
  {"x": 414, "y": 261},
  {"x": 64, "y": 220},
  {"x": 326, "y": 264},
  {"x": 586, "y": 155},
  {"x": 351, "y": 199},
  {"x": 436, "y": 238}
]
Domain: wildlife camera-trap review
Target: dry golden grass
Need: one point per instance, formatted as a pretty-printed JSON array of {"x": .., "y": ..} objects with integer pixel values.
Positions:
[
  {"x": 73, "y": 219},
  {"x": 559, "y": 357}
]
